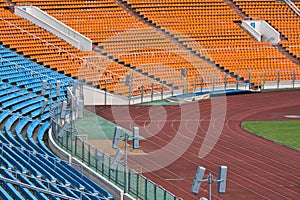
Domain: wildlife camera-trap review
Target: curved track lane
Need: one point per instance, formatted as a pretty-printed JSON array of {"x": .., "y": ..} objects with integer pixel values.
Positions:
[{"x": 257, "y": 168}]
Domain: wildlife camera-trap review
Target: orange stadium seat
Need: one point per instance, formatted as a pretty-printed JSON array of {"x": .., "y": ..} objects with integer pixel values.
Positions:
[
  {"x": 280, "y": 16},
  {"x": 46, "y": 48},
  {"x": 194, "y": 23},
  {"x": 130, "y": 40},
  {"x": 217, "y": 36}
]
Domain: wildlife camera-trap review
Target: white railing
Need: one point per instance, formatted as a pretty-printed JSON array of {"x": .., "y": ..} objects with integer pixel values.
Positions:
[{"x": 293, "y": 6}]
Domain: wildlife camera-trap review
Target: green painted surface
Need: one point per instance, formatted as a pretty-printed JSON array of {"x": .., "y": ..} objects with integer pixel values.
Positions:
[
  {"x": 96, "y": 127},
  {"x": 283, "y": 132}
]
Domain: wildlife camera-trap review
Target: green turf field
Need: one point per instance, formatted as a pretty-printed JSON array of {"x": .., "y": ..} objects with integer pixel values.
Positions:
[{"x": 284, "y": 132}]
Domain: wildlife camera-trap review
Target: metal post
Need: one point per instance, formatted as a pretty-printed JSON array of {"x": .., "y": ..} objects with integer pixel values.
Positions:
[
  {"x": 72, "y": 145},
  {"x": 89, "y": 155},
  {"x": 75, "y": 150},
  {"x": 195, "y": 82},
  {"x": 129, "y": 96},
  {"x": 152, "y": 88},
  {"x": 105, "y": 93},
  {"x": 278, "y": 79},
  {"x": 264, "y": 79},
  {"x": 225, "y": 81},
  {"x": 183, "y": 85},
  {"x": 187, "y": 85},
  {"x": 172, "y": 92},
  {"x": 162, "y": 91},
  {"x": 142, "y": 93},
  {"x": 209, "y": 182},
  {"x": 201, "y": 84},
  {"x": 82, "y": 150},
  {"x": 237, "y": 81},
  {"x": 137, "y": 185},
  {"x": 126, "y": 171},
  {"x": 294, "y": 78},
  {"x": 214, "y": 82},
  {"x": 250, "y": 80}
]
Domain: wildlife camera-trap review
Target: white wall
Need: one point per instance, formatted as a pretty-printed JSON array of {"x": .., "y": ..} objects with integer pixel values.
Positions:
[
  {"x": 262, "y": 31},
  {"x": 247, "y": 26},
  {"x": 44, "y": 20},
  {"x": 93, "y": 96}
]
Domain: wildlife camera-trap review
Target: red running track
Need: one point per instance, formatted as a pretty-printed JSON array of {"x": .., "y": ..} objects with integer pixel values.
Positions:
[{"x": 257, "y": 168}]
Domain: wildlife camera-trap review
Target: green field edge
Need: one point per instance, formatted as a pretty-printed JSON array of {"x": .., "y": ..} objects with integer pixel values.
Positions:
[{"x": 243, "y": 124}]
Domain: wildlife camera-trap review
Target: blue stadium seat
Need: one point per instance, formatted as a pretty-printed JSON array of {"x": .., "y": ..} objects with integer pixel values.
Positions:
[
  {"x": 5, "y": 86},
  {"x": 39, "y": 184},
  {"x": 6, "y": 164},
  {"x": 4, "y": 194},
  {"x": 11, "y": 189},
  {"x": 24, "y": 190},
  {"x": 13, "y": 141},
  {"x": 20, "y": 142},
  {"x": 22, "y": 123},
  {"x": 43, "y": 128},
  {"x": 4, "y": 140},
  {"x": 27, "y": 103},
  {"x": 68, "y": 192},
  {"x": 10, "y": 122},
  {"x": 32, "y": 126},
  {"x": 12, "y": 160},
  {"x": 31, "y": 108},
  {"x": 18, "y": 100},
  {"x": 36, "y": 165},
  {"x": 66, "y": 167},
  {"x": 13, "y": 95},
  {"x": 21, "y": 104},
  {"x": 9, "y": 91},
  {"x": 41, "y": 165},
  {"x": 23, "y": 179},
  {"x": 64, "y": 174},
  {"x": 3, "y": 115},
  {"x": 33, "y": 143},
  {"x": 22, "y": 160},
  {"x": 45, "y": 116}
]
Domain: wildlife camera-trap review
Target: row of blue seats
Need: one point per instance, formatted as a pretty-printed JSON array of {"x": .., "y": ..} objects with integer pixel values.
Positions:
[
  {"x": 15, "y": 64},
  {"x": 52, "y": 172},
  {"x": 21, "y": 143},
  {"x": 26, "y": 71},
  {"x": 28, "y": 180},
  {"x": 40, "y": 135},
  {"x": 17, "y": 100},
  {"x": 30, "y": 129},
  {"x": 21, "y": 177},
  {"x": 22, "y": 100},
  {"x": 5, "y": 86},
  {"x": 23, "y": 148},
  {"x": 25, "y": 65},
  {"x": 16, "y": 58},
  {"x": 7, "y": 54},
  {"x": 13, "y": 93},
  {"x": 7, "y": 90},
  {"x": 37, "y": 73},
  {"x": 21, "y": 124},
  {"x": 4, "y": 50}
]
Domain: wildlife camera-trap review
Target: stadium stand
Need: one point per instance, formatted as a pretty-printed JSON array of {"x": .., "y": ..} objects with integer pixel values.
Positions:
[
  {"x": 280, "y": 16},
  {"x": 133, "y": 42},
  {"x": 45, "y": 48},
  {"x": 153, "y": 41},
  {"x": 218, "y": 34},
  {"x": 25, "y": 158}
]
